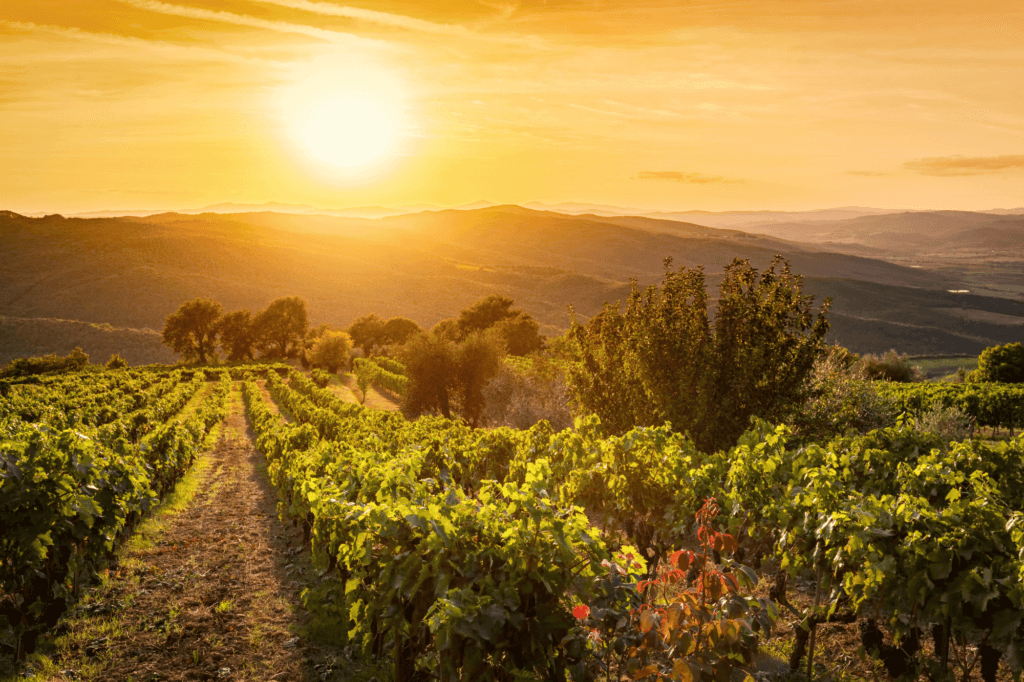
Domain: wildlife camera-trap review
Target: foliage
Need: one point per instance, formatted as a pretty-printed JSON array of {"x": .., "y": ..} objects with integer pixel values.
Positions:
[
  {"x": 1002, "y": 363},
  {"x": 661, "y": 360},
  {"x": 681, "y": 627},
  {"x": 366, "y": 333},
  {"x": 478, "y": 360},
  {"x": 280, "y": 330},
  {"x": 988, "y": 404},
  {"x": 398, "y": 330},
  {"x": 99, "y": 453},
  {"x": 431, "y": 363},
  {"x": 74, "y": 361},
  {"x": 891, "y": 367},
  {"x": 320, "y": 378},
  {"x": 951, "y": 424},
  {"x": 116, "y": 362},
  {"x": 375, "y": 371},
  {"x": 840, "y": 398},
  {"x": 331, "y": 351},
  {"x": 235, "y": 332},
  {"x": 191, "y": 330},
  {"x": 526, "y": 391},
  {"x": 517, "y": 330}
]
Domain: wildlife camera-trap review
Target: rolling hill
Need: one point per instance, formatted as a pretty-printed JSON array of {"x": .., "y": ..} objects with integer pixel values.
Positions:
[{"x": 131, "y": 272}]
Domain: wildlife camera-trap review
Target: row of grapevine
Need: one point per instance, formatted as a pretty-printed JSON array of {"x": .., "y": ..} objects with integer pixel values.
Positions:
[
  {"x": 465, "y": 582},
  {"x": 371, "y": 371},
  {"x": 903, "y": 531},
  {"x": 68, "y": 494},
  {"x": 990, "y": 404}
]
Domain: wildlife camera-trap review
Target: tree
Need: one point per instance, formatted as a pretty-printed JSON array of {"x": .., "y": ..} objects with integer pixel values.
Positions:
[
  {"x": 331, "y": 351},
  {"x": 477, "y": 362},
  {"x": 1002, "y": 363},
  {"x": 280, "y": 329},
  {"x": 520, "y": 334},
  {"x": 398, "y": 330},
  {"x": 431, "y": 364},
  {"x": 447, "y": 329},
  {"x": 663, "y": 361},
  {"x": 236, "y": 336},
  {"x": 485, "y": 313},
  {"x": 366, "y": 332},
  {"x": 191, "y": 330}
]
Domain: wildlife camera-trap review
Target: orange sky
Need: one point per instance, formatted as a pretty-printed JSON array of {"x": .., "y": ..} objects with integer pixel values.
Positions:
[{"x": 788, "y": 104}]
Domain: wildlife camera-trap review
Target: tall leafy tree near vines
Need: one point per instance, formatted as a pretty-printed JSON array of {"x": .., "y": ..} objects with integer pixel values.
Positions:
[
  {"x": 192, "y": 329},
  {"x": 662, "y": 359}
]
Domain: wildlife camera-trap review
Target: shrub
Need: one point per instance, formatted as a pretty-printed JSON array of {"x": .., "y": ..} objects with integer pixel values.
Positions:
[
  {"x": 74, "y": 361},
  {"x": 331, "y": 351},
  {"x": 949, "y": 423},
  {"x": 116, "y": 362},
  {"x": 840, "y": 397},
  {"x": 891, "y": 367},
  {"x": 524, "y": 393}
]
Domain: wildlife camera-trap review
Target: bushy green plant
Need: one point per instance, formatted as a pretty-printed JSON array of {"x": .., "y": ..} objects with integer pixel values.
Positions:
[
  {"x": 116, "y": 362},
  {"x": 891, "y": 366},
  {"x": 1002, "y": 363},
  {"x": 840, "y": 397},
  {"x": 662, "y": 360}
]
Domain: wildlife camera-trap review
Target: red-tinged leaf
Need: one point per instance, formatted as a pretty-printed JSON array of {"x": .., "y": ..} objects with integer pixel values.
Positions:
[
  {"x": 729, "y": 544},
  {"x": 730, "y": 583},
  {"x": 674, "y": 557},
  {"x": 683, "y": 560},
  {"x": 581, "y": 612}
]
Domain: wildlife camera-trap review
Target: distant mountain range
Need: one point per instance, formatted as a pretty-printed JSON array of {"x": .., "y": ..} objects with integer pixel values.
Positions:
[{"x": 131, "y": 272}]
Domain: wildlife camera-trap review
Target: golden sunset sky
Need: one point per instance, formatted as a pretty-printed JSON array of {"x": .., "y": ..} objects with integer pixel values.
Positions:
[{"x": 656, "y": 104}]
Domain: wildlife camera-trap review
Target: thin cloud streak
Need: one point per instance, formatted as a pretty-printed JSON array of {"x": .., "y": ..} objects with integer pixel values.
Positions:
[
  {"x": 244, "y": 20},
  {"x": 403, "y": 22},
  {"x": 373, "y": 16},
  {"x": 158, "y": 46},
  {"x": 949, "y": 166},
  {"x": 679, "y": 176}
]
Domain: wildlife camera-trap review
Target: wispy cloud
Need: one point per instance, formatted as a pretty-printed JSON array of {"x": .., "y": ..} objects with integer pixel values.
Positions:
[
  {"x": 373, "y": 16},
  {"x": 157, "y": 46},
  {"x": 406, "y": 22},
  {"x": 948, "y": 166},
  {"x": 868, "y": 173},
  {"x": 245, "y": 20},
  {"x": 679, "y": 176}
]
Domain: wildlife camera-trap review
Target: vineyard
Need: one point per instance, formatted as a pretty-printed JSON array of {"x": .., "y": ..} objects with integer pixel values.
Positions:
[{"x": 529, "y": 554}]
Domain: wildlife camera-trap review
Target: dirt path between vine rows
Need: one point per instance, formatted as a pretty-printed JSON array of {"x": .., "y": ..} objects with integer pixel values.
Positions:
[{"x": 215, "y": 597}]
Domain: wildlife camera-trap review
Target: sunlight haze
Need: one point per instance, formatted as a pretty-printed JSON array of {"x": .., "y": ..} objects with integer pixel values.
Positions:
[{"x": 146, "y": 104}]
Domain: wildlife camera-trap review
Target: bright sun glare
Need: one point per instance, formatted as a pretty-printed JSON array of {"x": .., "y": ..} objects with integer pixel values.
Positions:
[
  {"x": 349, "y": 129},
  {"x": 348, "y": 114}
]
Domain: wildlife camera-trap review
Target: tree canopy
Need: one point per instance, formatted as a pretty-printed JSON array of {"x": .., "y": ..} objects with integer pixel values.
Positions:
[
  {"x": 662, "y": 360},
  {"x": 331, "y": 351},
  {"x": 280, "y": 330},
  {"x": 192, "y": 330},
  {"x": 1002, "y": 363}
]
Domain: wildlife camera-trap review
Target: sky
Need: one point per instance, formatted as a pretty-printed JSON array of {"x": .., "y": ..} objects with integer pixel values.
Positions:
[{"x": 655, "y": 104}]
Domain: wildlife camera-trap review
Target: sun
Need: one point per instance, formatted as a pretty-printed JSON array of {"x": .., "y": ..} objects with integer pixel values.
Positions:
[
  {"x": 346, "y": 114},
  {"x": 349, "y": 129}
]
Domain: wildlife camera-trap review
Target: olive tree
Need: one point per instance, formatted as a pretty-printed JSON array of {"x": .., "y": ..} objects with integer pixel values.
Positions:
[{"x": 192, "y": 329}]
